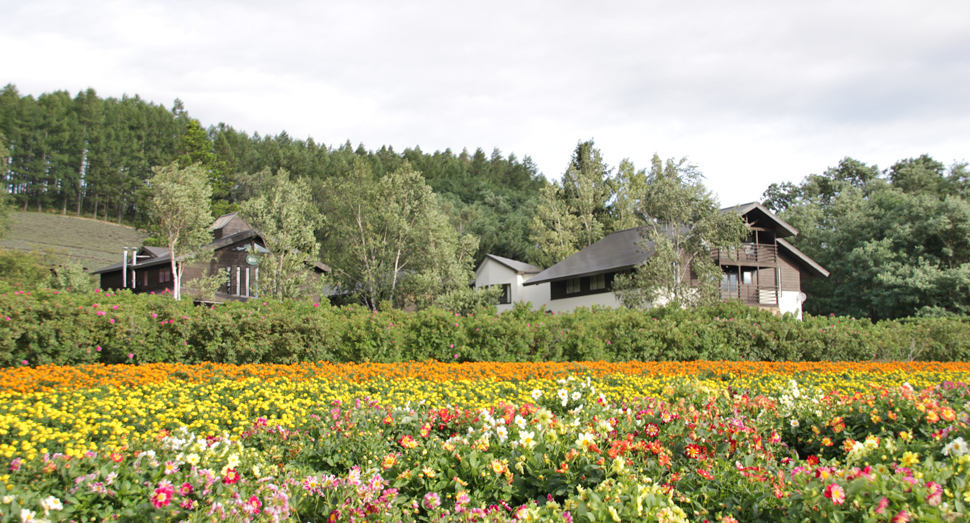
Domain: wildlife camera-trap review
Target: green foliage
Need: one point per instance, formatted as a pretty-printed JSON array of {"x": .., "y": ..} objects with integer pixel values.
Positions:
[
  {"x": 574, "y": 214},
  {"x": 181, "y": 213},
  {"x": 23, "y": 268},
  {"x": 6, "y": 210},
  {"x": 53, "y": 326},
  {"x": 896, "y": 244},
  {"x": 388, "y": 241},
  {"x": 681, "y": 222},
  {"x": 285, "y": 218}
]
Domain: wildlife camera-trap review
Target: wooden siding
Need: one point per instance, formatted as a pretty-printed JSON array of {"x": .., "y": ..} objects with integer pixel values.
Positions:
[{"x": 791, "y": 277}]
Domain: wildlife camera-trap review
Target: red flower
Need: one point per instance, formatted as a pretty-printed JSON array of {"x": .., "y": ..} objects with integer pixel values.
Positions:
[
  {"x": 231, "y": 477},
  {"x": 185, "y": 489}
]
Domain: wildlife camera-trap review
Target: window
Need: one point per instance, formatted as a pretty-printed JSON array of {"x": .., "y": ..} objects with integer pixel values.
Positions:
[
  {"x": 747, "y": 277},
  {"x": 597, "y": 283},
  {"x": 506, "y": 296},
  {"x": 572, "y": 286},
  {"x": 729, "y": 283},
  {"x": 164, "y": 275}
]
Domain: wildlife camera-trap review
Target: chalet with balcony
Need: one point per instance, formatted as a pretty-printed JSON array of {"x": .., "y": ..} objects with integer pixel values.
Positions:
[{"x": 766, "y": 271}]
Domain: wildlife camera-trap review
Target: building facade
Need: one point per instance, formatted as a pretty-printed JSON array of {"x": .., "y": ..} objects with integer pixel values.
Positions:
[{"x": 766, "y": 271}]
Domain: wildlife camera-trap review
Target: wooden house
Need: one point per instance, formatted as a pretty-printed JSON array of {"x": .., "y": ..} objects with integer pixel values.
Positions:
[{"x": 234, "y": 245}]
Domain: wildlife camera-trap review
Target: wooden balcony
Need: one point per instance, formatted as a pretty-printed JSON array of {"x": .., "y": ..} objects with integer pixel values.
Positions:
[
  {"x": 764, "y": 295},
  {"x": 750, "y": 254}
]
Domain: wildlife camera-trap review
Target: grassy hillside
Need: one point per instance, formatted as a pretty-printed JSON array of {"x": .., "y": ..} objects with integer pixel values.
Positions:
[{"x": 93, "y": 243}]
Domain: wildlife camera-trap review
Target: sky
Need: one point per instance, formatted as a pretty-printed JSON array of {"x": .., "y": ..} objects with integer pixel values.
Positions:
[{"x": 752, "y": 92}]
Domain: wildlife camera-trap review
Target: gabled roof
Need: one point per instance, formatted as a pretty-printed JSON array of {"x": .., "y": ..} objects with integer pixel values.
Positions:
[
  {"x": 808, "y": 263},
  {"x": 222, "y": 221},
  {"x": 618, "y": 251},
  {"x": 622, "y": 250},
  {"x": 760, "y": 211},
  {"x": 517, "y": 266}
]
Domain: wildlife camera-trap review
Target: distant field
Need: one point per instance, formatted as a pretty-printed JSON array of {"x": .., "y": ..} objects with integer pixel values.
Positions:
[{"x": 93, "y": 243}]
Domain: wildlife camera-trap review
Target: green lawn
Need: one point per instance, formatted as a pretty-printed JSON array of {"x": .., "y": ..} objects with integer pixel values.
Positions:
[{"x": 93, "y": 243}]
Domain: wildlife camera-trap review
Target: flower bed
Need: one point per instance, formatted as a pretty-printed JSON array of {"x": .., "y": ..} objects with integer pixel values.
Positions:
[{"x": 437, "y": 442}]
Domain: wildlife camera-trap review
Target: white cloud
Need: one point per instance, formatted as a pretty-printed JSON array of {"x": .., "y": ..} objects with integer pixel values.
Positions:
[{"x": 753, "y": 92}]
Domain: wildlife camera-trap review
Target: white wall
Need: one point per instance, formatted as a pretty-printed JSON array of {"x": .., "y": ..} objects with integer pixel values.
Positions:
[
  {"x": 606, "y": 299},
  {"x": 790, "y": 302}
]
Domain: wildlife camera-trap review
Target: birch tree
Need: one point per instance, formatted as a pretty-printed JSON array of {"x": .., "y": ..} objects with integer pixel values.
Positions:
[
  {"x": 286, "y": 218},
  {"x": 180, "y": 211},
  {"x": 681, "y": 222},
  {"x": 388, "y": 241}
]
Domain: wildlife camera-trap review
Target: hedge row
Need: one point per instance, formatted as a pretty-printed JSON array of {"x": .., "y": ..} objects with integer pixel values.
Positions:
[{"x": 40, "y": 326}]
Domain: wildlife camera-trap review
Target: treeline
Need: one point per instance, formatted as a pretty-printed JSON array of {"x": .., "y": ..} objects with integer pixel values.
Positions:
[
  {"x": 896, "y": 241},
  {"x": 43, "y": 326},
  {"x": 91, "y": 156}
]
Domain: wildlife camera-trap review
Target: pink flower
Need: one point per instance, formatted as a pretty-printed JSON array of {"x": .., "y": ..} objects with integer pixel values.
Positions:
[
  {"x": 130, "y": 355},
  {"x": 25, "y": 362},
  {"x": 112, "y": 321},
  {"x": 902, "y": 517},
  {"x": 162, "y": 496},
  {"x": 316, "y": 304},
  {"x": 8, "y": 318},
  {"x": 836, "y": 493},
  {"x": 882, "y": 505},
  {"x": 98, "y": 348},
  {"x": 452, "y": 346},
  {"x": 252, "y": 505},
  {"x": 935, "y": 496},
  {"x": 432, "y": 500},
  {"x": 154, "y": 315},
  {"x": 114, "y": 307}
]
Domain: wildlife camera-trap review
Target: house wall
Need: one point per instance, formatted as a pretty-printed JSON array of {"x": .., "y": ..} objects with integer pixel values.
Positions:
[{"x": 791, "y": 286}]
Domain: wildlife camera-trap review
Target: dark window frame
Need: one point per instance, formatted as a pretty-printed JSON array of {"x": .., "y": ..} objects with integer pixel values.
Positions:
[{"x": 557, "y": 288}]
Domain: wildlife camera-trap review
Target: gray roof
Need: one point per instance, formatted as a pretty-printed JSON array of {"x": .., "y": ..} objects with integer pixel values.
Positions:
[
  {"x": 618, "y": 251},
  {"x": 622, "y": 250},
  {"x": 517, "y": 266},
  {"x": 222, "y": 221}
]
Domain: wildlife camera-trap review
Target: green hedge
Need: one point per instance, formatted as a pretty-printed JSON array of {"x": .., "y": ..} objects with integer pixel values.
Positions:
[{"x": 40, "y": 326}]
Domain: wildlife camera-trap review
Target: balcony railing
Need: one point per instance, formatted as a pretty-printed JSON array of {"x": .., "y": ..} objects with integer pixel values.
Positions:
[
  {"x": 748, "y": 253},
  {"x": 751, "y": 294}
]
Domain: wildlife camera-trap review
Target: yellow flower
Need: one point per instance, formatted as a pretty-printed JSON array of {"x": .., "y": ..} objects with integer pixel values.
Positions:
[
  {"x": 909, "y": 459},
  {"x": 614, "y": 515}
]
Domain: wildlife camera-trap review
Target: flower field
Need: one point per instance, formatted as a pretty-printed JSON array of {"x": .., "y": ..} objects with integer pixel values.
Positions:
[{"x": 593, "y": 441}]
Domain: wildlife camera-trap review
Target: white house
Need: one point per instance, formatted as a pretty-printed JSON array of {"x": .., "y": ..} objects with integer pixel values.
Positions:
[{"x": 766, "y": 272}]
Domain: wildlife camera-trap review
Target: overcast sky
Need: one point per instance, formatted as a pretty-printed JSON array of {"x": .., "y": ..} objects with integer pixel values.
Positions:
[{"x": 751, "y": 92}]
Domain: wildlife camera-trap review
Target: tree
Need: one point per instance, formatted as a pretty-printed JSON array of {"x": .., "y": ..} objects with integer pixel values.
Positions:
[
  {"x": 286, "y": 218},
  {"x": 180, "y": 211},
  {"x": 387, "y": 240},
  {"x": 681, "y": 223},
  {"x": 574, "y": 214},
  {"x": 895, "y": 243}
]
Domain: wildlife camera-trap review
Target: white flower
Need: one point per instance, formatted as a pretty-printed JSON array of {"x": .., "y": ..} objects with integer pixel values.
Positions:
[
  {"x": 527, "y": 439},
  {"x": 51, "y": 503},
  {"x": 585, "y": 440},
  {"x": 956, "y": 448},
  {"x": 577, "y": 395},
  {"x": 503, "y": 433},
  {"x": 794, "y": 422},
  {"x": 536, "y": 394},
  {"x": 520, "y": 421},
  {"x": 7, "y": 500},
  {"x": 563, "y": 394},
  {"x": 233, "y": 461}
]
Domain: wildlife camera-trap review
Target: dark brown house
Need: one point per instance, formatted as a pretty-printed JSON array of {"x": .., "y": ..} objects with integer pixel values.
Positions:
[{"x": 148, "y": 270}]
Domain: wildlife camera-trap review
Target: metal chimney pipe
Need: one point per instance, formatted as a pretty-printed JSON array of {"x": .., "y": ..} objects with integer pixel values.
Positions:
[
  {"x": 124, "y": 268},
  {"x": 134, "y": 261}
]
